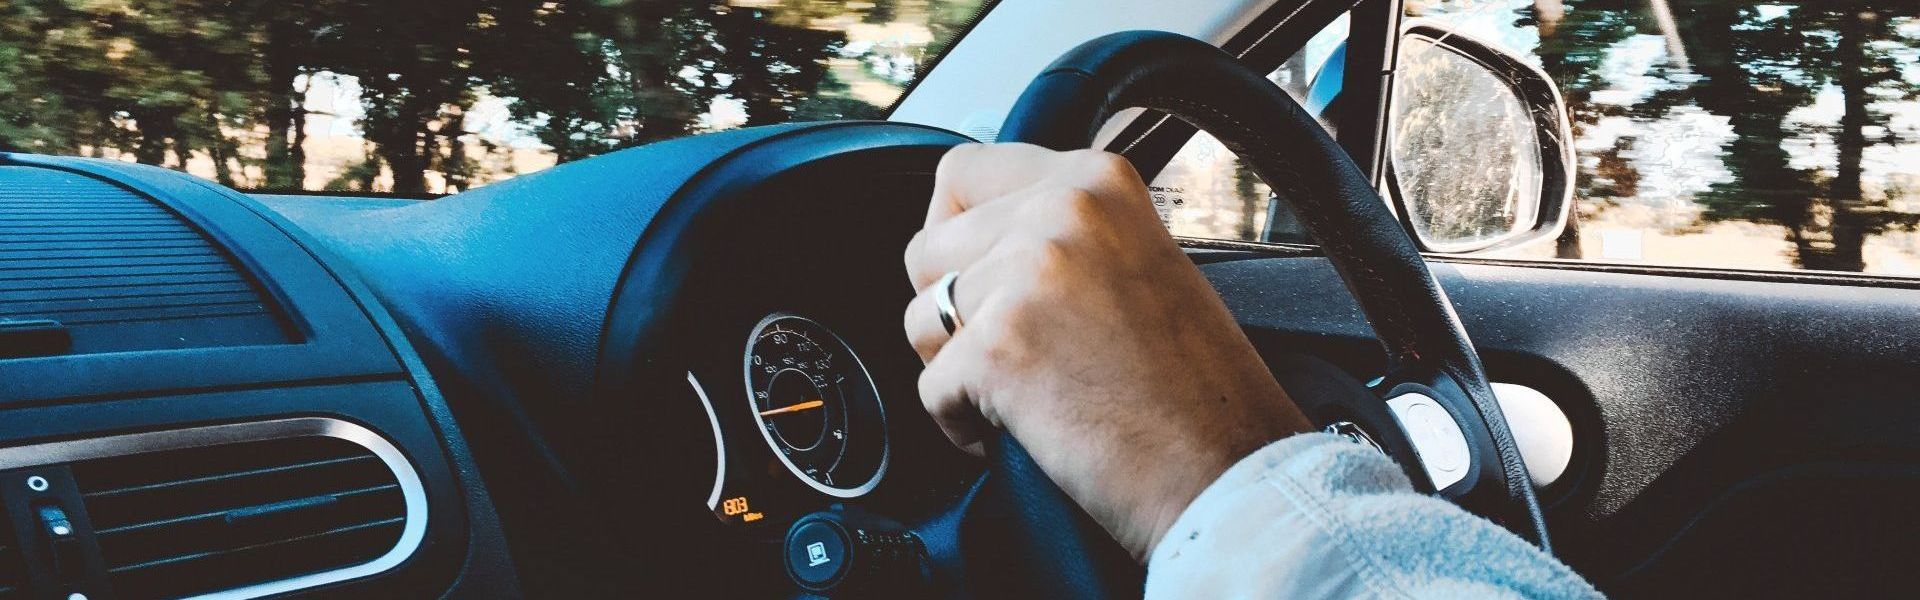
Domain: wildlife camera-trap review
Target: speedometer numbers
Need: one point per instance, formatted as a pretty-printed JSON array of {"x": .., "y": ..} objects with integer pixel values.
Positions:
[{"x": 816, "y": 406}]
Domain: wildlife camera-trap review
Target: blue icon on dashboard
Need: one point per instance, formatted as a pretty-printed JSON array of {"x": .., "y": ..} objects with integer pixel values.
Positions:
[{"x": 817, "y": 554}]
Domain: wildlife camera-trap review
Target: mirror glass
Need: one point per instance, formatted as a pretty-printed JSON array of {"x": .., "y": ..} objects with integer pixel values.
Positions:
[{"x": 1465, "y": 156}]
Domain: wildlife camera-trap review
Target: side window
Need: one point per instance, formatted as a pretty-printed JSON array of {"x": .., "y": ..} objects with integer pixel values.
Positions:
[
  {"x": 1724, "y": 133},
  {"x": 1205, "y": 192},
  {"x": 1711, "y": 133}
]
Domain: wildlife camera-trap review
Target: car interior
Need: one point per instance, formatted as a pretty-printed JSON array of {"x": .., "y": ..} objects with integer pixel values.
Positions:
[{"x": 677, "y": 370}]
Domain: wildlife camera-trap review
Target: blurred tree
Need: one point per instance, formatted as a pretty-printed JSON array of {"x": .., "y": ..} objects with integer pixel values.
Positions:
[
  {"x": 290, "y": 37},
  {"x": 122, "y": 75},
  {"x": 946, "y": 20},
  {"x": 412, "y": 61},
  {"x": 227, "y": 81},
  {"x": 36, "y": 113},
  {"x": 1574, "y": 38},
  {"x": 1758, "y": 70},
  {"x": 771, "y": 66}
]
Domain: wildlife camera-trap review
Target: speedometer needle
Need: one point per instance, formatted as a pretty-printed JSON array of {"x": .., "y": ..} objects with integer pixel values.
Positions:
[{"x": 808, "y": 405}]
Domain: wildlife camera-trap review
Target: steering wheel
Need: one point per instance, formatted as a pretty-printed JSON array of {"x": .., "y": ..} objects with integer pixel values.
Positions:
[{"x": 1429, "y": 357}]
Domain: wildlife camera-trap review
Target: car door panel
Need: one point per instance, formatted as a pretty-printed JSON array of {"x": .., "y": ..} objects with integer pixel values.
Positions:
[{"x": 1724, "y": 428}]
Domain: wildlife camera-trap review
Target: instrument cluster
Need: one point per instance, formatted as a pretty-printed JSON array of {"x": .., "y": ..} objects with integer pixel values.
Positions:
[{"x": 817, "y": 415}]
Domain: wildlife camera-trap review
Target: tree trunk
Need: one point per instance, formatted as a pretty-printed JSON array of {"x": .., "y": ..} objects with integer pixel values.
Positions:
[
  {"x": 221, "y": 149},
  {"x": 408, "y": 150},
  {"x": 1548, "y": 13},
  {"x": 297, "y": 154},
  {"x": 409, "y": 167},
  {"x": 283, "y": 168},
  {"x": 152, "y": 146},
  {"x": 1253, "y": 213},
  {"x": 1568, "y": 244},
  {"x": 1849, "y": 227}
]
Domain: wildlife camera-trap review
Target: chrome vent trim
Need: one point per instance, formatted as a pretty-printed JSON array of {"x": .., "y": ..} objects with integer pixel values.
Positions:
[{"x": 413, "y": 492}]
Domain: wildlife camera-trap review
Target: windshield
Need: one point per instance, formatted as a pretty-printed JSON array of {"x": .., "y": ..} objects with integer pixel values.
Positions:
[{"x": 416, "y": 97}]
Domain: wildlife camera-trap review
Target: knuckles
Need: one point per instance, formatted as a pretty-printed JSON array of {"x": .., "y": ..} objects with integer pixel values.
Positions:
[
  {"x": 955, "y": 160},
  {"x": 1100, "y": 166}
]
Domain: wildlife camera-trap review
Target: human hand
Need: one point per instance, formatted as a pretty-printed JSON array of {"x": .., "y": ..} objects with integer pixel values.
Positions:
[{"x": 1087, "y": 334}]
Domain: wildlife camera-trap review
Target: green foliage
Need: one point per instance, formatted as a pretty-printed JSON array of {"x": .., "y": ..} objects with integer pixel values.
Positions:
[{"x": 172, "y": 81}]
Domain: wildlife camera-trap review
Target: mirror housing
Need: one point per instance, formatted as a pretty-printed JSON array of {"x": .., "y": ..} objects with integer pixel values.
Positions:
[{"x": 1479, "y": 151}]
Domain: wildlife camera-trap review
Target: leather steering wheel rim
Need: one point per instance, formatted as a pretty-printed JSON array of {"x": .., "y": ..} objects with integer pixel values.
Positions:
[{"x": 1427, "y": 348}]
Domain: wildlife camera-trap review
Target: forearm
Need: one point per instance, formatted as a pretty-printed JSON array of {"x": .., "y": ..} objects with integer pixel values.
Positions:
[{"x": 1317, "y": 516}]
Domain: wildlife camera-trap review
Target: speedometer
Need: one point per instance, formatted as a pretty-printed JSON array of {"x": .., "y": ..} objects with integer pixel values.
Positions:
[{"x": 816, "y": 405}]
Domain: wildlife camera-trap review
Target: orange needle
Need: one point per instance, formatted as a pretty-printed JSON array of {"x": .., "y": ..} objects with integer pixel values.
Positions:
[{"x": 808, "y": 405}]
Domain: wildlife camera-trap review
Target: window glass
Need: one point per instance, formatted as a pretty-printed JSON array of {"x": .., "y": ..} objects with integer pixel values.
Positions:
[
  {"x": 1721, "y": 133},
  {"x": 1205, "y": 192},
  {"x": 435, "y": 96}
]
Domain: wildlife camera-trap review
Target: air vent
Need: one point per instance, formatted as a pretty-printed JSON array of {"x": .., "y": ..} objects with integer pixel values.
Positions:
[
  {"x": 119, "y": 270},
  {"x": 239, "y": 516}
]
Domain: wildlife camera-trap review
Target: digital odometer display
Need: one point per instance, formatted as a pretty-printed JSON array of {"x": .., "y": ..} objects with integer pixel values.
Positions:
[{"x": 816, "y": 405}]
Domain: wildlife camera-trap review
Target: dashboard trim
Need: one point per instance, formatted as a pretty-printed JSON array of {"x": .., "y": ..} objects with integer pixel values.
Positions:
[
  {"x": 412, "y": 490},
  {"x": 719, "y": 443}
]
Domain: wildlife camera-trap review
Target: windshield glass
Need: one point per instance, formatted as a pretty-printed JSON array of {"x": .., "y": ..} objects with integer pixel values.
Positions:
[{"x": 416, "y": 97}]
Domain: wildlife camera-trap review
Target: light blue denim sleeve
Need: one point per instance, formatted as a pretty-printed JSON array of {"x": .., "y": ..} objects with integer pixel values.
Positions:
[{"x": 1317, "y": 516}]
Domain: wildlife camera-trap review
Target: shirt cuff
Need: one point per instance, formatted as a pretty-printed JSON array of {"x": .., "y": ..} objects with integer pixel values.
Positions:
[
  {"x": 1244, "y": 536},
  {"x": 1318, "y": 516}
]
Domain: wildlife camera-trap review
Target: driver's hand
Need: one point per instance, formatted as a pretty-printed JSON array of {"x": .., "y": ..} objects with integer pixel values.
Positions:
[{"x": 1085, "y": 332}]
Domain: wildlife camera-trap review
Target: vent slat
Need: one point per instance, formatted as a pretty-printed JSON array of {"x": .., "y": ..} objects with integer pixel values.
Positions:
[
  {"x": 206, "y": 519},
  {"x": 206, "y": 315},
  {"x": 52, "y": 276},
  {"x": 71, "y": 220},
  {"x": 127, "y": 291},
  {"x": 8, "y": 253},
  {"x": 29, "y": 232},
  {"x": 174, "y": 560},
  {"x": 136, "y": 527},
  {"x": 20, "y": 288},
  {"x": 151, "y": 313},
  {"x": 56, "y": 308},
  {"x": 100, "y": 259},
  {"x": 225, "y": 477},
  {"x": 96, "y": 239},
  {"x": 81, "y": 246}
]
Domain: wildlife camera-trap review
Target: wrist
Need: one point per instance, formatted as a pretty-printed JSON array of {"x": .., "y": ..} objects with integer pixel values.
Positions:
[{"x": 1269, "y": 416}]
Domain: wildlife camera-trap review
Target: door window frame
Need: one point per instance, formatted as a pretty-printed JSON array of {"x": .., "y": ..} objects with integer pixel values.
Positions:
[{"x": 1152, "y": 140}]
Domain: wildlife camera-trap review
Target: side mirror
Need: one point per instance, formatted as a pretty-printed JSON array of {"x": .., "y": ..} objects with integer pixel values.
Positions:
[{"x": 1479, "y": 146}]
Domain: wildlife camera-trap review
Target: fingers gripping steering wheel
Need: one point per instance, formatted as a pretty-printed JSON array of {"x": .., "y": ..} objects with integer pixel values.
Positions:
[{"x": 1428, "y": 352}]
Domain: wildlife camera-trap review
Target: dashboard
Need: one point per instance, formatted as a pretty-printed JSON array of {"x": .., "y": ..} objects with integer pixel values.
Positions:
[
  {"x": 663, "y": 357},
  {"x": 194, "y": 404},
  {"x": 628, "y": 373}
]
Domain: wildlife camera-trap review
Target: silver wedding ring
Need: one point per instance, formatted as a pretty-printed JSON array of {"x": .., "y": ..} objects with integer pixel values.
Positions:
[{"x": 943, "y": 300}]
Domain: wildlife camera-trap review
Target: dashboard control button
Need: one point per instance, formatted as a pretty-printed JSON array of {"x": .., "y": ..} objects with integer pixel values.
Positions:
[
  {"x": 54, "y": 523},
  {"x": 848, "y": 552},
  {"x": 817, "y": 554},
  {"x": 69, "y": 559}
]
